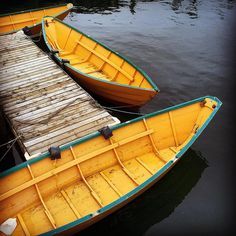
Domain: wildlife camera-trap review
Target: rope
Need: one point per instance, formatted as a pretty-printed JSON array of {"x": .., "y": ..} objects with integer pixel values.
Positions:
[
  {"x": 114, "y": 108},
  {"x": 123, "y": 111},
  {"x": 13, "y": 142},
  {"x": 45, "y": 121},
  {"x": 124, "y": 106},
  {"x": 4, "y": 144}
]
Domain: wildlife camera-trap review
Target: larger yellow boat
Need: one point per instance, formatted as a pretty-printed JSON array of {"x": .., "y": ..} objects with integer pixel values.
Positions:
[
  {"x": 13, "y": 22},
  {"x": 92, "y": 177},
  {"x": 96, "y": 67}
]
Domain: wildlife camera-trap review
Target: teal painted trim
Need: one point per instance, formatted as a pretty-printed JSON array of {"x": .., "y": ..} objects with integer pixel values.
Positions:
[
  {"x": 95, "y": 134},
  {"x": 124, "y": 58},
  {"x": 32, "y": 10},
  {"x": 111, "y": 205}
]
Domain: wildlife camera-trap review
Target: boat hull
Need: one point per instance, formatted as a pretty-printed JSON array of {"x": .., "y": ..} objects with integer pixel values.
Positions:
[
  {"x": 36, "y": 29},
  {"x": 114, "y": 93},
  {"x": 31, "y": 18}
]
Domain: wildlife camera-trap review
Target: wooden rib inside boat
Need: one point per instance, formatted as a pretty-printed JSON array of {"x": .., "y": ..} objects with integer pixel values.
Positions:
[
  {"x": 13, "y": 22},
  {"x": 100, "y": 173},
  {"x": 96, "y": 67}
]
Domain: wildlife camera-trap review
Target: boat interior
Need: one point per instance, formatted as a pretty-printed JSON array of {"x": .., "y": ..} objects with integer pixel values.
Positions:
[
  {"x": 91, "y": 174},
  {"x": 90, "y": 57}
]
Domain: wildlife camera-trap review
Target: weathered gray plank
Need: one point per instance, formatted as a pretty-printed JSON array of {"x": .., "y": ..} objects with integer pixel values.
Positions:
[
  {"x": 77, "y": 134},
  {"x": 41, "y": 102},
  {"x": 63, "y": 133}
]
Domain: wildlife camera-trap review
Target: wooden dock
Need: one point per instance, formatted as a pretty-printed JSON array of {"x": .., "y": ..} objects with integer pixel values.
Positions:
[{"x": 44, "y": 106}]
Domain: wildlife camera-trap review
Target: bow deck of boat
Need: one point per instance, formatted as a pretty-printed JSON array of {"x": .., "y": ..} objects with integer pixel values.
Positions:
[{"x": 44, "y": 106}]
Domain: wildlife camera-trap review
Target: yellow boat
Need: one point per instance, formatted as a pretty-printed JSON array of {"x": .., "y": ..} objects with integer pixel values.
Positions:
[
  {"x": 88, "y": 179},
  {"x": 96, "y": 67},
  {"x": 13, "y": 22}
]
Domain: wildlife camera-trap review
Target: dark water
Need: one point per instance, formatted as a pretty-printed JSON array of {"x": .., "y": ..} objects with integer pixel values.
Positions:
[{"x": 188, "y": 48}]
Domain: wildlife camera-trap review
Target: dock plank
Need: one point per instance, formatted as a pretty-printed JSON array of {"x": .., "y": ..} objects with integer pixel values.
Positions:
[{"x": 43, "y": 105}]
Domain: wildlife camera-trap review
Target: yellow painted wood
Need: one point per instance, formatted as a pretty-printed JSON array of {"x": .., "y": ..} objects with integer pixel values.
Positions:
[
  {"x": 122, "y": 166},
  {"x": 106, "y": 65},
  {"x": 36, "y": 220},
  {"x": 19, "y": 229},
  {"x": 92, "y": 174},
  {"x": 81, "y": 198},
  {"x": 106, "y": 60},
  {"x": 173, "y": 129},
  {"x": 120, "y": 179},
  {"x": 60, "y": 210},
  {"x": 152, "y": 142},
  {"x": 17, "y": 22},
  {"x": 152, "y": 172},
  {"x": 96, "y": 197},
  {"x": 151, "y": 161},
  {"x": 139, "y": 173},
  {"x": 47, "y": 212},
  {"x": 111, "y": 184},
  {"x": 70, "y": 164},
  {"x": 106, "y": 193},
  {"x": 22, "y": 223},
  {"x": 70, "y": 204},
  {"x": 14, "y": 22}
]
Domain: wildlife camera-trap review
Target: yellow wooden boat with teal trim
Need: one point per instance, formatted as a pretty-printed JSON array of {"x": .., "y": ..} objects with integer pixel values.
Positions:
[
  {"x": 96, "y": 67},
  {"x": 92, "y": 177},
  {"x": 13, "y": 22}
]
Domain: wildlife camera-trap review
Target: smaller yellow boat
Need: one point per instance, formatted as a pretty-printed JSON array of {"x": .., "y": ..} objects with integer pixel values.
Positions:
[
  {"x": 96, "y": 67},
  {"x": 13, "y": 22},
  {"x": 70, "y": 188}
]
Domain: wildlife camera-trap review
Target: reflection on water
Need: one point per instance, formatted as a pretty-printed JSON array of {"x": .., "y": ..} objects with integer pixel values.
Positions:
[
  {"x": 156, "y": 203},
  {"x": 190, "y": 7},
  {"x": 105, "y": 7},
  {"x": 108, "y": 6},
  {"x": 101, "y": 7},
  {"x": 132, "y": 6}
]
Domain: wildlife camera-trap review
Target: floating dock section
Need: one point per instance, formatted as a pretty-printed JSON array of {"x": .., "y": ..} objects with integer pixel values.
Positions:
[{"x": 44, "y": 106}]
